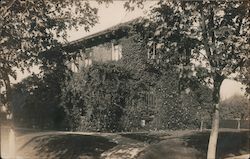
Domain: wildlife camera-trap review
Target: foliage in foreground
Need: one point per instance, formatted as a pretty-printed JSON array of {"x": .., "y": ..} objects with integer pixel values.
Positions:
[
  {"x": 36, "y": 99},
  {"x": 29, "y": 27},
  {"x": 36, "y": 104}
]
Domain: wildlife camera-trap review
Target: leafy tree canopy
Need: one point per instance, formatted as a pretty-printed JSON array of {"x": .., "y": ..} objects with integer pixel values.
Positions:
[
  {"x": 207, "y": 40},
  {"x": 28, "y": 27},
  {"x": 204, "y": 38}
]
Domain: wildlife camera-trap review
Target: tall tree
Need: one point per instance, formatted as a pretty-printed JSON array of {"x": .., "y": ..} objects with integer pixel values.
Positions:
[
  {"x": 208, "y": 40},
  {"x": 28, "y": 27}
]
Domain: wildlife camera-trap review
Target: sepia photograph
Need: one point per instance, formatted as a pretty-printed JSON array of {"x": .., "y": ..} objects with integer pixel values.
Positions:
[{"x": 124, "y": 79}]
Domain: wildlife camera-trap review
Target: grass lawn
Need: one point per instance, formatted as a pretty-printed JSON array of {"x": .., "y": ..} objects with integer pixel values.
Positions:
[
  {"x": 157, "y": 145},
  {"x": 194, "y": 146}
]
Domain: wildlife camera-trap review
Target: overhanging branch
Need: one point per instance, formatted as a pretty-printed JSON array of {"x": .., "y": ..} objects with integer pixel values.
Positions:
[{"x": 8, "y": 5}]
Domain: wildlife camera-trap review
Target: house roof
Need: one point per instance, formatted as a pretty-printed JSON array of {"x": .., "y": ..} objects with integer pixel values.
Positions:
[{"x": 114, "y": 32}]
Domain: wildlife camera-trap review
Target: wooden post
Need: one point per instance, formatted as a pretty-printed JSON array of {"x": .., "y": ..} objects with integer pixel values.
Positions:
[
  {"x": 238, "y": 123},
  {"x": 143, "y": 123},
  {"x": 201, "y": 126},
  {"x": 8, "y": 142},
  {"x": 4, "y": 142},
  {"x": 12, "y": 143}
]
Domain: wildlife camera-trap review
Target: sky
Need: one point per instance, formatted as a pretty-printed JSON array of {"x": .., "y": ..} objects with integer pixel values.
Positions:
[{"x": 112, "y": 14}]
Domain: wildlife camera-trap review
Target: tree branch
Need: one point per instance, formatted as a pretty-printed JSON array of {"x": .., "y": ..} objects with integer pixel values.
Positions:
[
  {"x": 240, "y": 64},
  {"x": 204, "y": 35},
  {"x": 8, "y": 5},
  {"x": 211, "y": 30}
]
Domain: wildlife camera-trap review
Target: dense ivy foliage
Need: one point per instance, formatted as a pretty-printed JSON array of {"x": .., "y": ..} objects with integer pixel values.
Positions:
[
  {"x": 100, "y": 94},
  {"x": 117, "y": 96},
  {"x": 173, "y": 108}
]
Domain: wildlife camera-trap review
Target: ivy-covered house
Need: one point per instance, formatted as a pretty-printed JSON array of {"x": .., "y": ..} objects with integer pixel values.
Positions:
[
  {"x": 158, "y": 100},
  {"x": 118, "y": 45}
]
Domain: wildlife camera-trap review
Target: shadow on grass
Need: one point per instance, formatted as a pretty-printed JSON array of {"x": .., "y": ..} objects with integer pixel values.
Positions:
[
  {"x": 170, "y": 149},
  {"x": 143, "y": 137},
  {"x": 195, "y": 146},
  {"x": 229, "y": 143},
  {"x": 72, "y": 146}
]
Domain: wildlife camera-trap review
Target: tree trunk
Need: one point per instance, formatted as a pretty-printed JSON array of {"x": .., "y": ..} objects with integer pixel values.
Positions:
[
  {"x": 10, "y": 121},
  {"x": 7, "y": 85},
  {"x": 211, "y": 152}
]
